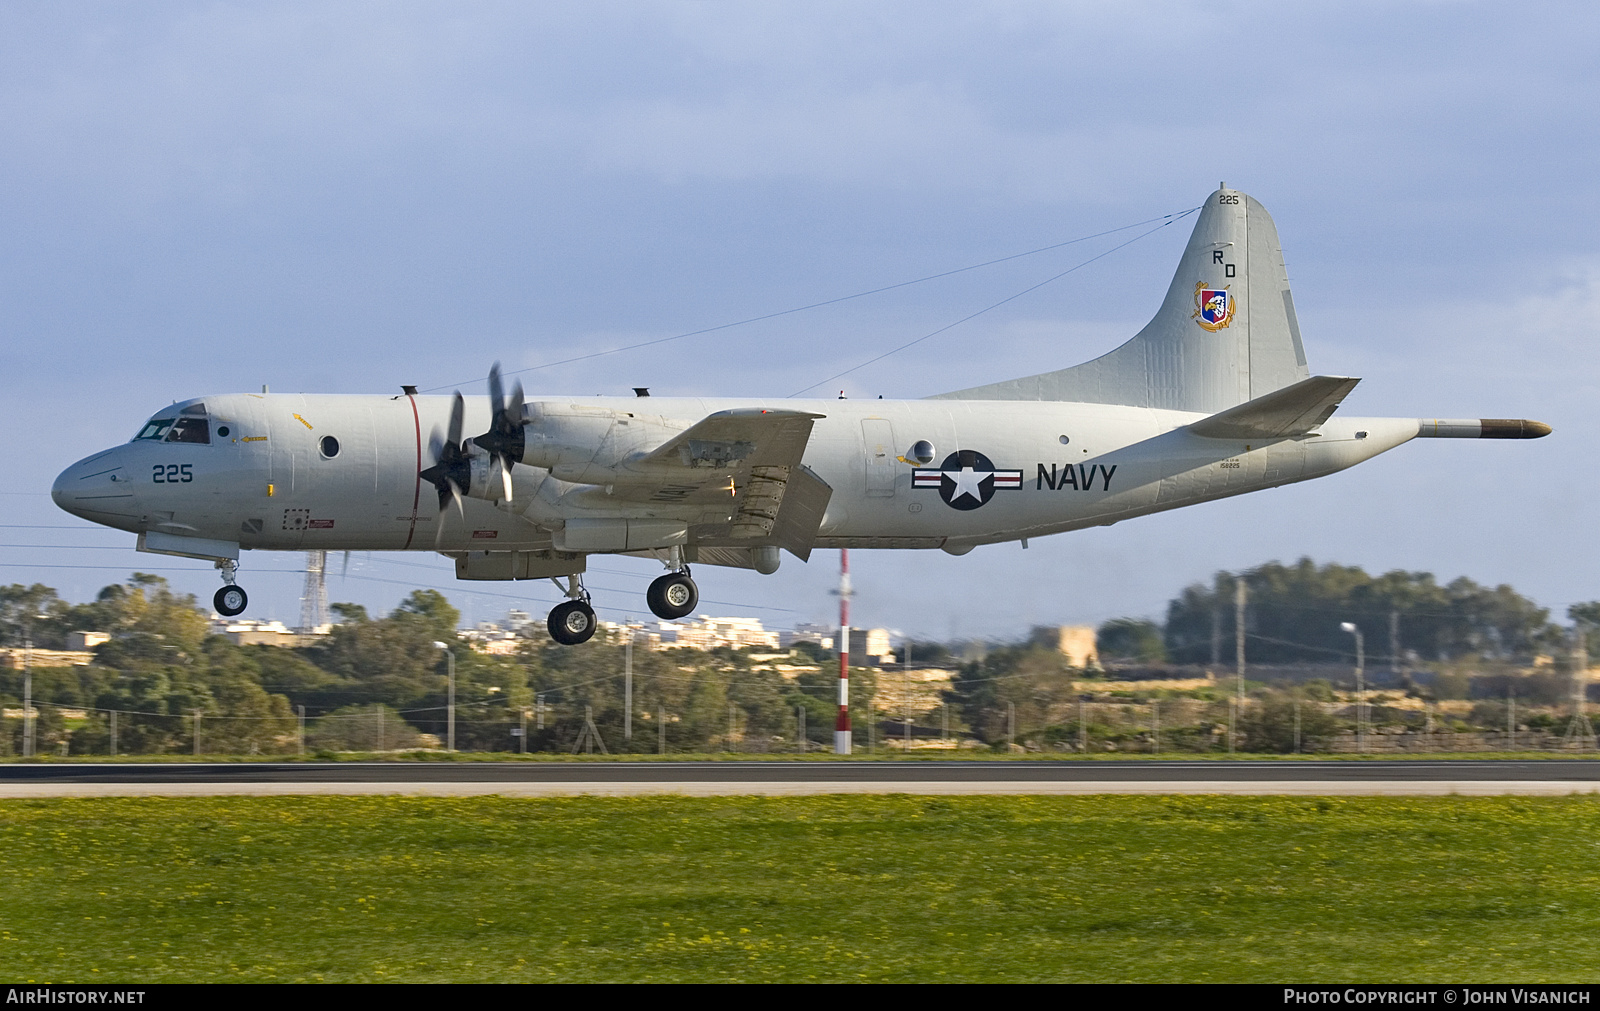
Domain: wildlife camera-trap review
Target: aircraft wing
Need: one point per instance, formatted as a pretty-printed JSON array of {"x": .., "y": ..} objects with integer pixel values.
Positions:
[
  {"x": 1294, "y": 410},
  {"x": 729, "y": 441},
  {"x": 744, "y": 466}
]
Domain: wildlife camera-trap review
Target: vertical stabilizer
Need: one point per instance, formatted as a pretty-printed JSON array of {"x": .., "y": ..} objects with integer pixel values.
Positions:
[{"x": 1226, "y": 332}]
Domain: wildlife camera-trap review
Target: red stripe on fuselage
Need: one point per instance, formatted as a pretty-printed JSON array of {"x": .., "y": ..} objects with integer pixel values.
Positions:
[{"x": 416, "y": 494}]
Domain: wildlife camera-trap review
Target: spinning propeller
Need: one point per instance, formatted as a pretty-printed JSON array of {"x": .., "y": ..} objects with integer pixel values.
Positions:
[
  {"x": 504, "y": 440},
  {"x": 452, "y": 473}
]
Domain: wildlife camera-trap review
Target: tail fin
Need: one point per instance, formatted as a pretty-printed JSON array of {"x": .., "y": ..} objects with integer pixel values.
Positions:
[{"x": 1225, "y": 334}]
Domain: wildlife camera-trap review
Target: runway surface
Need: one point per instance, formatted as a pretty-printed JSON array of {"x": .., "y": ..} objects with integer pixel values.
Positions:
[{"x": 554, "y": 779}]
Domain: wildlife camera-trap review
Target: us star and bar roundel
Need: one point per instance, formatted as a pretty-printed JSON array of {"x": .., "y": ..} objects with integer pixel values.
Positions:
[{"x": 966, "y": 480}]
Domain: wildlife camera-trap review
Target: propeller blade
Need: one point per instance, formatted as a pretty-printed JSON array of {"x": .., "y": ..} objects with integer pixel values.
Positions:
[
  {"x": 505, "y": 478},
  {"x": 444, "y": 497},
  {"x": 514, "y": 412},
  {"x": 346, "y": 570},
  {"x": 504, "y": 439},
  {"x": 451, "y": 471},
  {"x": 458, "y": 408},
  {"x": 496, "y": 390}
]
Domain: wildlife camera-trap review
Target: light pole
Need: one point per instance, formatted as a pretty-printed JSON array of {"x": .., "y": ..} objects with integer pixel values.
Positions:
[
  {"x": 29, "y": 726},
  {"x": 627, "y": 687},
  {"x": 27, "y": 687},
  {"x": 1361, "y": 685},
  {"x": 450, "y": 702}
]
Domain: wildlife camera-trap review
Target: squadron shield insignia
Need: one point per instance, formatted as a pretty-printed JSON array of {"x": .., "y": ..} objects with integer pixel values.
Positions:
[
  {"x": 966, "y": 480},
  {"x": 1213, "y": 307}
]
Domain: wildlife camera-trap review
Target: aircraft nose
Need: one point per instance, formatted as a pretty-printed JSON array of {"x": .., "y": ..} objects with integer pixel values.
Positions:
[
  {"x": 96, "y": 489},
  {"x": 58, "y": 491}
]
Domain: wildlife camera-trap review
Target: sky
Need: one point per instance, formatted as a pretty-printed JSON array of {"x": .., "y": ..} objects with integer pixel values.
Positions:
[{"x": 208, "y": 197}]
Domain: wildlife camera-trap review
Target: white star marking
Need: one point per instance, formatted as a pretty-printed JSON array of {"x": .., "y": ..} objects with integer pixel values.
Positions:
[{"x": 968, "y": 483}]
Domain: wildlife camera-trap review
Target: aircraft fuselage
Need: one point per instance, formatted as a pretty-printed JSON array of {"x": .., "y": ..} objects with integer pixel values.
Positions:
[{"x": 269, "y": 482}]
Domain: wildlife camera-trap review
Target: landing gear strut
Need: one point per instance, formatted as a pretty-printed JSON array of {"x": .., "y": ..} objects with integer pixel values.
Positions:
[
  {"x": 231, "y": 600},
  {"x": 572, "y": 622}
]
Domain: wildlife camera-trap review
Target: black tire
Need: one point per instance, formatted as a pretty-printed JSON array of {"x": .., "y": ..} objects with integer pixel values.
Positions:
[
  {"x": 672, "y": 596},
  {"x": 230, "y": 600},
  {"x": 572, "y": 623}
]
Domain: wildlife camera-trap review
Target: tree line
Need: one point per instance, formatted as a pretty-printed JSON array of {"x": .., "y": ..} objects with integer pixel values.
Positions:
[
  {"x": 1294, "y": 613},
  {"x": 381, "y": 684}
]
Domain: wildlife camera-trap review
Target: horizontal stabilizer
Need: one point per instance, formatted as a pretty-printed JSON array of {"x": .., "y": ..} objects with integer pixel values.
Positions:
[
  {"x": 1281, "y": 414},
  {"x": 1481, "y": 428}
]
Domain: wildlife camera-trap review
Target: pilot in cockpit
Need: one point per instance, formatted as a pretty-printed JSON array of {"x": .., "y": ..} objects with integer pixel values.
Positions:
[{"x": 191, "y": 426}]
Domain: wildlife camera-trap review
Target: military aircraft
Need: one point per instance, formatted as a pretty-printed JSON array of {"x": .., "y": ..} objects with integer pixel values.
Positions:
[{"x": 1212, "y": 398}]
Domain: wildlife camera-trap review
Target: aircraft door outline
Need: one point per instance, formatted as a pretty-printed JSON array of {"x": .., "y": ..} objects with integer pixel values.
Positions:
[{"x": 878, "y": 436}]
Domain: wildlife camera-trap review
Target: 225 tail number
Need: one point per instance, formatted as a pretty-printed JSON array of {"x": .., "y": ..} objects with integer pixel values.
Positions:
[{"x": 172, "y": 473}]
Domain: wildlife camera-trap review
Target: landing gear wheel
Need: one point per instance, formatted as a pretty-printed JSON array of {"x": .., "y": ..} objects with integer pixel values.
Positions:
[
  {"x": 572, "y": 623},
  {"x": 230, "y": 600},
  {"x": 672, "y": 596}
]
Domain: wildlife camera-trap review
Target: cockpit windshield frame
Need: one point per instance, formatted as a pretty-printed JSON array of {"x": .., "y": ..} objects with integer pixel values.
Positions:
[
  {"x": 154, "y": 430},
  {"x": 191, "y": 430},
  {"x": 190, "y": 425}
]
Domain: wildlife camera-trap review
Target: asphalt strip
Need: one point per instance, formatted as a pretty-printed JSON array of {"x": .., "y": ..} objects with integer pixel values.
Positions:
[{"x": 798, "y": 788}]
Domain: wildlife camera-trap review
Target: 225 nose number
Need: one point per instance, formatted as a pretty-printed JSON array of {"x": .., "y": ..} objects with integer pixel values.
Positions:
[{"x": 171, "y": 473}]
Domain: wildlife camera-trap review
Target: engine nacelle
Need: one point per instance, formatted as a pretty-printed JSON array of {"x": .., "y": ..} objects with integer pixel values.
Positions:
[{"x": 592, "y": 445}]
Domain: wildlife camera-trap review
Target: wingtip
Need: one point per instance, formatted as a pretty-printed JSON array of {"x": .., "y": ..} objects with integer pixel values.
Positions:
[{"x": 1514, "y": 428}]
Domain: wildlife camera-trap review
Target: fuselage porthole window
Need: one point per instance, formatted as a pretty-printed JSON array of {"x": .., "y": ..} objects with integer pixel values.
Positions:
[
  {"x": 191, "y": 430},
  {"x": 329, "y": 446}
]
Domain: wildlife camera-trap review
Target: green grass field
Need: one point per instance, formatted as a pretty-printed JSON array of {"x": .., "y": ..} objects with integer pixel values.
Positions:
[{"x": 874, "y": 888}]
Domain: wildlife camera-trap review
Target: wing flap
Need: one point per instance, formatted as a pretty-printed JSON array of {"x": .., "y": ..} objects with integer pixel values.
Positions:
[
  {"x": 744, "y": 467},
  {"x": 804, "y": 500},
  {"x": 1281, "y": 414}
]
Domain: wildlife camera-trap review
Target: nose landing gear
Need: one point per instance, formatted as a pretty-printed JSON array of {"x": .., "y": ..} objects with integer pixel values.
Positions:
[
  {"x": 572, "y": 622},
  {"x": 231, "y": 600}
]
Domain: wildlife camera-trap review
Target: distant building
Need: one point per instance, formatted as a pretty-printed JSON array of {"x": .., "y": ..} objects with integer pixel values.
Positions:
[
  {"x": 249, "y": 632},
  {"x": 488, "y": 637},
  {"x": 819, "y": 635},
  {"x": 735, "y": 633},
  {"x": 86, "y": 640},
  {"x": 14, "y": 659},
  {"x": 1078, "y": 646},
  {"x": 870, "y": 646},
  {"x": 521, "y": 622},
  {"x": 867, "y": 645}
]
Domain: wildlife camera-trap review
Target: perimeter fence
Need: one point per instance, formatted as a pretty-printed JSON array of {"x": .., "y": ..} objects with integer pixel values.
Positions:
[{"x": 1264, "y": 722}]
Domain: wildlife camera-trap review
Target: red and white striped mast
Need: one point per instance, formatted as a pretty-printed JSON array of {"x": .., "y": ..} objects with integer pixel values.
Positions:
[{"x": 841, "y": 729}]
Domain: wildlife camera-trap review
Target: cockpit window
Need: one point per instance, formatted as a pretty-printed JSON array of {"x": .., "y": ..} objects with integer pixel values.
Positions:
[
  {"x": 155, "y": 428},
  {"x": 191, "y": 430}
]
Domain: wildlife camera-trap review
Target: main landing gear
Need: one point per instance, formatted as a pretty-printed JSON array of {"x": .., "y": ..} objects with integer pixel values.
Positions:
[
  {"x": 231, "y": 600},
  {"x": 673, "y": 595},
  {"x": 572, "y": 622}
]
